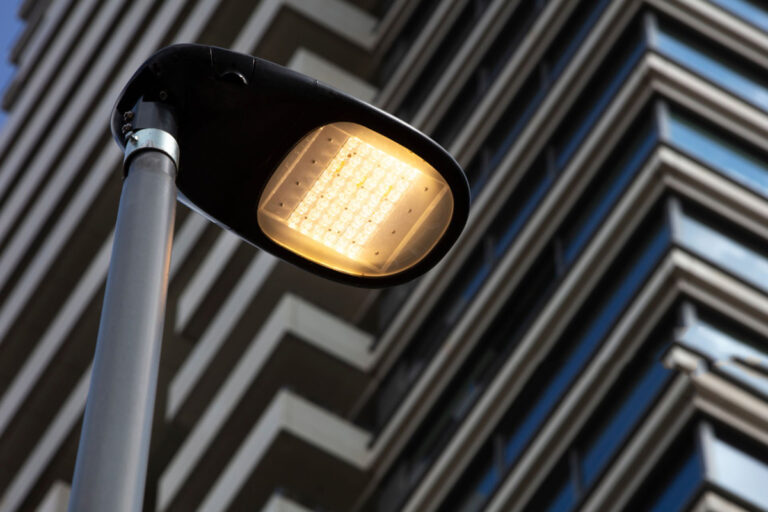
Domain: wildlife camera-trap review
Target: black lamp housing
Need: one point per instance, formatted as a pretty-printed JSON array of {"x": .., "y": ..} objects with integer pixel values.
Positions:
[{"x": 238, "y": 116}]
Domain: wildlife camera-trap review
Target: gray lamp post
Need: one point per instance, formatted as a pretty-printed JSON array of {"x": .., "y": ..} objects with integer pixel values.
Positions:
[{"x": 319, "y": 179}]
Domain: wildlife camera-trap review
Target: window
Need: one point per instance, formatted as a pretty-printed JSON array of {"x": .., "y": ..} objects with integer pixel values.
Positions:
[
  {"x": 675, "y": 480},
  {"x": 553, "y": 377},
  {"x": 434, "y": 68},
  {"x": 598, "y": 94},
  {"x": 718, "y": 65},
  {"x": 735, "y": 159},
  {"x": 736, "y": 464},
  {"x": 400, "y": 46},
  {"x": 487, "y": 70},
  {"x": 735, "y": 252},
  {"x": 607, "y": 186},
  {"x": 751, "y": 11},
  {"x": 637, "y": 388}
]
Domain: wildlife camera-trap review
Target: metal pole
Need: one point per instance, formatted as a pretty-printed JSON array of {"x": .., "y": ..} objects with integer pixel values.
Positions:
[{"x": 111, "y": 465}]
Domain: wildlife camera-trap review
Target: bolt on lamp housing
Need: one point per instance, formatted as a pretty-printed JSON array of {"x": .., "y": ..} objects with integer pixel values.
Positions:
[{"x": 312, "y": 175}]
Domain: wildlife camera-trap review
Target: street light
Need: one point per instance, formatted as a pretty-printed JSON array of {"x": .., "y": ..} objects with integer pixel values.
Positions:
[{"x": 309, "y": 174}]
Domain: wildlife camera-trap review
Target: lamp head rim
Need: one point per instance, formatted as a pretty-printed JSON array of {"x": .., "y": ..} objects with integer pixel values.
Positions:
[{"x": 224, "y": 101}]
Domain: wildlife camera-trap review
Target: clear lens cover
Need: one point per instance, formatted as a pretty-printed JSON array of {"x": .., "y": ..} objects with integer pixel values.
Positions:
[{"x": 355, "y": 201}]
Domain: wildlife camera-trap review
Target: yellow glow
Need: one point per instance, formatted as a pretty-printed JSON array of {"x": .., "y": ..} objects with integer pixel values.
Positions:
[{"x": 353, "y": 200}]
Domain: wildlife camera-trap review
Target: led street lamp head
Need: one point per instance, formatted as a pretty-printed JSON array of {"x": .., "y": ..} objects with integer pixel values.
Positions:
[{"x": 314, "y": 176}]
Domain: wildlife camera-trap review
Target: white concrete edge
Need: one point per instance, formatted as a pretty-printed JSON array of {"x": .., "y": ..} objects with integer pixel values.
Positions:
[
  {"x": 527, "y": 55},
  {"x": 420, "y": 52},
  {"x": 216, "y": 333},
  {"x": 292, "y": 315},
  {"x": 71, "y": 311},
  {"x": 65, "y": 148},
  {"x": 544, "y": 322},
  {"x": 30, "y": 95},
  {"x": 46, "y": 448},
  {"x": 713, "y": 502},
  {"x": 278, "y": 503},
  {"x": 185, "y": 238},
  {"x": 698, "y": 279},
  {"x": 58, "y": 330},
  {"x": 54, "y": 243},
  {"x": 563, "y": 91},
  {"x": 647, "y": 445},
  {"x": 56, "y": 185},
  {"x": 76, "y": 301},
  {"x": 291, "y": 414},
  {"x": 427, "y": 293},
  {"x": 533, "y": 236},
  {"x": 720, "y": 397},
  {"x": 358, "y": 26},
  {"x": 205, "y": 276},
  {"x": 56, "y": 499},
  {"x": 309, "y": 63},
  {"x": 585, "y": 393},
  {"x": 664, "y": 75},
  {"x": 30, "y": 55},
  {"x": 480, "y": 38},
  {"x": 732, "y": 32}
]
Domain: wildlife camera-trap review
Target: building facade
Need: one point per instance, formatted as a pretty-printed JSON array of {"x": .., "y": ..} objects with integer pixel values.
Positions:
[{"x": 597, "y": 340}]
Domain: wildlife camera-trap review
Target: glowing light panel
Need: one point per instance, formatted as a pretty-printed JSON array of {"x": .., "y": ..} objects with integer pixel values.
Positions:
[{"x": 353, "y": 200}]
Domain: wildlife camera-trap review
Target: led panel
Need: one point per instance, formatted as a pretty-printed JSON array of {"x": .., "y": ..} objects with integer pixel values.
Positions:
[{"x": 355, "y": 201}]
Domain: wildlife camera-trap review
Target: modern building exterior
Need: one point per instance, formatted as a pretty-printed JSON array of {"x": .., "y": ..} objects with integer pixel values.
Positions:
[{"x": 597, "y": 340}]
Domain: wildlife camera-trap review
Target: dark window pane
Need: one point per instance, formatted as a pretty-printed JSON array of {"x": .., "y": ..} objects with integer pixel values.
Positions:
[
  {"x": 607, "y": 186},
  {"x": 712, "y": 62},
  {"x": 751, "y": 11},
  {"x": 733, "y": 158},
  {"x": 486, "y": 71},
  {"x": 551, "y": 380},
  {"x": 597, "y": 95},
  {"x": 442, "y": 57},
  {"x": 674, "y": 481}
]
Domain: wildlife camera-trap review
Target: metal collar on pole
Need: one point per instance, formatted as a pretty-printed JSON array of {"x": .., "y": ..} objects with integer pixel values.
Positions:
[{"x": 151, "y": 138}]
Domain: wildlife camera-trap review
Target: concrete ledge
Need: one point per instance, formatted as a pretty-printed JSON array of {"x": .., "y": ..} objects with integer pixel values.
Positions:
[
  {"x": 711, "y": 501},
  {"x": 316, "y": 346},
  {"x": 234, "y": 322},
  {"x": 57, "y": 499},
  {"x": 311, "y": 64},
  {"x": 332, "y": 451},
  {"x": 280, "y": 503}
]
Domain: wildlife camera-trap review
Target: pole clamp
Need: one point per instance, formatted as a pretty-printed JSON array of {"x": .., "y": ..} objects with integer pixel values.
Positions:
[{"x": 151, "y": 138}]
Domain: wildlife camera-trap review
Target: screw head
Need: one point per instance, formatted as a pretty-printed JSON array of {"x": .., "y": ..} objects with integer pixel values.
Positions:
[
  {"x": 127, "y": 127},
  {"x": 127, "y": 116}
]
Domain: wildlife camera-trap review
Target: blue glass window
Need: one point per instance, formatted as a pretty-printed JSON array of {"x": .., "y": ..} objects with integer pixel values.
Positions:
[
  {"x": 636, "y": 389},
  {"x": 739, "y": 465},
  {"x": 487, "y": 70},
  {"x": 632, "y": 409},
  {"x": 599, "y": 93},
  {"x": 675, "y": 480},
  {"x": 683, "y": 486},
  {"x": 573, "y": 34},
  {"x": 751, "y": 11},
  {"x": 548, "y": 384},
  {"x": 499, "y": 141},
  {"x": 397, "y": 50},
  {"x": 443, "y": 55},
  {"x": 606, "y": 188},
  {"x": 720, "y": 344},
  {"x": 534, "y": 90},
  {"x": 735, "y": 160},
  {"x": 716, "y": 65},
  {"x": 725, "y": 251}
]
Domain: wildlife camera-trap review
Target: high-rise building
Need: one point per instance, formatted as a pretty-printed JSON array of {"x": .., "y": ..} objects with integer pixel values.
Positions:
[{"x": 597, "y": 340}]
